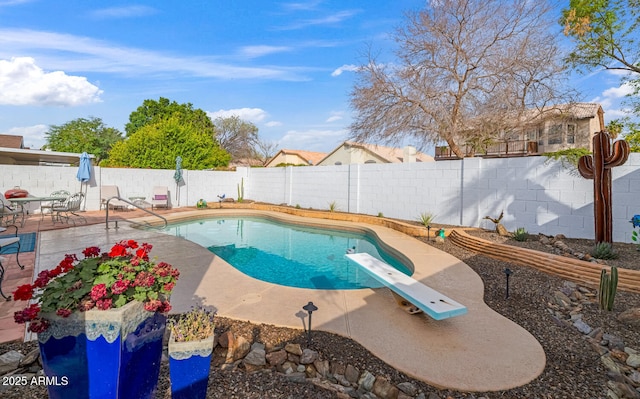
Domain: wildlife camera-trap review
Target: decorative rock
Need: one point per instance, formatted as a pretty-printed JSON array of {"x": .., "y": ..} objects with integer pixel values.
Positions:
[
  {"x": 351, "y": 374},
  {"x": 293, "y": 358},
  {"x": 614, "y": 342},
  {"x": 610, "y": 364},
  {"x": 582, "y": 326},
  {"x": 623, "y": 390},
  {"x": 224, "y": 338},
  {"x": 322, "y": 367},
  {"x": 308, "y": 356},
  {"x": 287, "y": 367},
  {"x": 408, "y": 388},
  {"x": 635, "y": 377},
  {"x": 295, "y": 349},
  {"x": 256, "y": 357},
  {"x": 10, "y": 361},
  {"x": 310, "y": 371},
  {"x": 384, "y": 389},
  {"x": 630, "y": 317},
  {"x": 560, "y": 237},
  {"x": 337, "y": 368},
  {"x": 297, "y": 377},
  {"x": 366, "y": 381},
  {"x": 277, "y": 358},
  {"x": 238, "y": 348},
  {"x": 342, "y": 380},
  {"x": 30, "y": 357},
  {"x": 561, "y": 299},
  {"x": 633, "y": 360},
  {"x": 402, "y": 395},
  {"x": 301, "y": 368}
]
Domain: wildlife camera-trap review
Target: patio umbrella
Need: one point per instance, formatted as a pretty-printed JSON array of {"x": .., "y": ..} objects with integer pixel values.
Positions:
[
  {"x": 177, "y": 176},
  {"x": 84, "y": 174}
]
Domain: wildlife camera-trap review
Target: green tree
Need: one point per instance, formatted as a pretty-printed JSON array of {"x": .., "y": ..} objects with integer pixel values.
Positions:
[
  {"x": 605, "y": 35},
  {"x": 633, "y": 136},
  {"x": 152, "y": 111},
  {"x": 238, "y": 137},
  {"x": 157, "y": 145},
  {"x": 83, "y": 134}
]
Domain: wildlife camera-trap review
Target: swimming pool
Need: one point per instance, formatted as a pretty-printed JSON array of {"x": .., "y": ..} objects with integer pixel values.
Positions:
[{"x": 287, "y": 254}]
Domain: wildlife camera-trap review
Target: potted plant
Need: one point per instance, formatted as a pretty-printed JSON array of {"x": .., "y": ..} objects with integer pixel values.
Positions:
[
  {"x": 190, "y": 349},
  {"x": 100, "y": 321}
]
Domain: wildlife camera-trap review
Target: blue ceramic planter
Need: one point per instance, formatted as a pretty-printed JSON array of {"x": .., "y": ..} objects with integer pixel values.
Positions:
[
  {"x": 99, "y": 354},
  {"x": 189, "y": 365}
]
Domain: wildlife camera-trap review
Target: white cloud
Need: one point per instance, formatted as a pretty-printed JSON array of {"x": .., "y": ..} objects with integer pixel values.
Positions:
[
  {"x": 335, "y": 116},
  {"x": 33, "y": 135},
  {"x": 254, "y": 115},
  {"x": 273, "y": 124},
  {"x": 345, "y": 68},
  {"x": 124, "y": 12},
  {"x": 260, "y": 51},
  {"x": 618, "y": 92},
  {"x": 77, "y": 53},
  {"x": 312, "y": 140},
  {"x": 22, "y": 82},
  {"x": 332, "y": 19}
]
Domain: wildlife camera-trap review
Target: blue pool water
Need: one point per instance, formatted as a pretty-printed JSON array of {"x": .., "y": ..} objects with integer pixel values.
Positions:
[{"x": 286, "y": 254}]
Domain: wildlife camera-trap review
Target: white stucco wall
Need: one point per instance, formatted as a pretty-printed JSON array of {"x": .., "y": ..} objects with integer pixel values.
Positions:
[{"x": 536, "y": 194}]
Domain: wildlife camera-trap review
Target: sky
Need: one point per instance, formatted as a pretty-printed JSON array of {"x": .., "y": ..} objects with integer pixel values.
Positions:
[{"x": 286, "y": 66}]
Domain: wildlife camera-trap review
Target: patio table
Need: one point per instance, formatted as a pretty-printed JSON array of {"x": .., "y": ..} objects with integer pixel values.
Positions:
[{"x": 27, "y": 200}]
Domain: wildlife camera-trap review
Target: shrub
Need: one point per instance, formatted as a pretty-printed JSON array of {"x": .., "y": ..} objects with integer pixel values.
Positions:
[
  {"x": 604, "y": 250},
  {"x": 333, "y": 206},
  {"x": 194, "y": 325},
  {"x": 426, "y": 218}
]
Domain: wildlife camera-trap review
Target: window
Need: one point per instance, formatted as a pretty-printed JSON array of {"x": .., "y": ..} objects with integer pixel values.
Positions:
[
  {"x": 555, "y": 134},
  {"x": 571, "y": 133}
]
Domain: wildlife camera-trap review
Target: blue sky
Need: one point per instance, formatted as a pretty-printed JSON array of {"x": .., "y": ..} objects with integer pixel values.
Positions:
[{"x": 286, "y": 66}]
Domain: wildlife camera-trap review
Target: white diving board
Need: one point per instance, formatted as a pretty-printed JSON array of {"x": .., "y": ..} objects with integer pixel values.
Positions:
[{"x": 423, "y": 297}]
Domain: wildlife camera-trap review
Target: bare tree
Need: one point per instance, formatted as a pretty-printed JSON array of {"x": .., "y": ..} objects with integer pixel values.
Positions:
[
  {"x": 466, "y": 68},
  {"x": 265, "y": 150},
  {"x": 236, "y": 136}
]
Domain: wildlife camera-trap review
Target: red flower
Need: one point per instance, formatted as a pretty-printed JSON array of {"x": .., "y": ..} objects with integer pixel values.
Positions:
[
  {"x": 98, "y": 291},
  {"x": 23, "y": 293},
  {"x": 169, "y": 286},
  {"x": 120, "y": 286},
  {"x": 38, "y": 325},
  {"x": 91, "y": 252},
  {"x": 103, "y": 304},
  {"x": 165, "y": 307},
  {"x": 152, "y": 305},
  {"x": 144, "y": 279},
  {"x": 118, "y": 250},
  {"x": 86, "y": 304},
  {"x": 27, "y": 314},
  {"x": 132, "y": 244},
  {"x": 43, "y": 279},
  {"x": 63, "y": 312}
]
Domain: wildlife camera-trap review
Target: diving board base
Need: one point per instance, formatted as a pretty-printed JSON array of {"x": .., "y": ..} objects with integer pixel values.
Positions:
[{"x": 430, "y": 301}]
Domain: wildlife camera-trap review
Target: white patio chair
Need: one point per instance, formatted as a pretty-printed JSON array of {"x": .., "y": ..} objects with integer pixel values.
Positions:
[
  {"x": 62, "y": 194},
  {"x": 160, "y": 197},
  {"x": 107, "y": 192}
]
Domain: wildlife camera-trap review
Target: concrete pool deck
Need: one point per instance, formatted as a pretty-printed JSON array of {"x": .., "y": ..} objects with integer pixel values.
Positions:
[{"x": 479, "y": 351}]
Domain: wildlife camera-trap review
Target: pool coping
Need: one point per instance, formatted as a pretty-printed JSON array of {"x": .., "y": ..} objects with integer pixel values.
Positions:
[{"x": 480, "y": 351}]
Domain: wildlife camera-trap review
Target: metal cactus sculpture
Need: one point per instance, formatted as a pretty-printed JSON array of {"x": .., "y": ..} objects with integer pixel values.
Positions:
[{"x": 598, "y": 167}]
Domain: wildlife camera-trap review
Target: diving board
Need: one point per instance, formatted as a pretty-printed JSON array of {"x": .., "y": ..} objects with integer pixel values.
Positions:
[{"x": 430, "y": 301}]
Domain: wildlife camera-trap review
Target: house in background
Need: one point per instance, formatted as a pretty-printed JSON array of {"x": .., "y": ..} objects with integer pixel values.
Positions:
[
  {"x": 295, "y": 157},
  {"x": 551, "y": 129},
  {"x": 12, "y": 152},
  {"x": 359, "y": 153},
  {"x": 11, "y": 141}
]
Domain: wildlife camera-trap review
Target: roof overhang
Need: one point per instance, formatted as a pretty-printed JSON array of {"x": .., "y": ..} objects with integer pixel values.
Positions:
[{"x": 16, "y": 156}]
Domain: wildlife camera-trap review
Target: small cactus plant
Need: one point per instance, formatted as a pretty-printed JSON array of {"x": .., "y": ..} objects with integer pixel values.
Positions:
[
  {"x": 604, "y": 250},
  {"x": 520, "y": 234},
  {"x": 241, "y": 190},
  {"x": 608, "y": 288}
]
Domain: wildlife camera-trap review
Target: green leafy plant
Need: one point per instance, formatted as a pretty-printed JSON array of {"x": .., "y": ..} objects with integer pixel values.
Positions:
[
  {"x": 241, "y": 190},
  {"x": 101, "y": 280},
  {"x": 333, "y": 206},
  {"x": 604, "y": 250},
  {"x": 298, "y": 206},
  {"x": 380, "y": 215},
  {"x": 196, "y": 324},
  {"x": 201, "y": 204},
  {"x": 568, "y": 158},
  {"x": 426, "y": 218},
  {"x": 520, "y": 234},
  {"x": 608, "y": 288}
]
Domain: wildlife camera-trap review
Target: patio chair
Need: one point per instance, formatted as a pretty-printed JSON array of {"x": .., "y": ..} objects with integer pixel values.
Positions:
[
  {"x": 8, "y": 213},
  {"x": 160, "y": 197},
  {"x": 107, "y": 192},
  {"x": 69, "y": 209},
  {"x": 62, "y": 194},
  {"x": 5, "y": 242}
]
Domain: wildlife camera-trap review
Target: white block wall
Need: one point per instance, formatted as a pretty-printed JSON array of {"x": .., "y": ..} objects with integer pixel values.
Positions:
[{"x": 536, "y": 194}]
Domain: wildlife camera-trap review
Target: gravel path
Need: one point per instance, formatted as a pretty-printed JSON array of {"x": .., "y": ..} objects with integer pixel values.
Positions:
[{"x": 573, "y": 369}]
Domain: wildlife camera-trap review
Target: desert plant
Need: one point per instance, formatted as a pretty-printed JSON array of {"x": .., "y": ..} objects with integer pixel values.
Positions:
[
  {"x": 426, "y": 218},
  {"x": 298, "y": 206},
  {"x": 380, "y": 215},
  {"x": 500, "y": 229},
  {"x": 241, "y": 190},
  {"x": 604, "y": 250},
  {"x": 520, "y": 234},
  {"x": 196, "y": 324},
  {"x": 608, "y": 288},
  {"x": 333, "y": 206}
]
